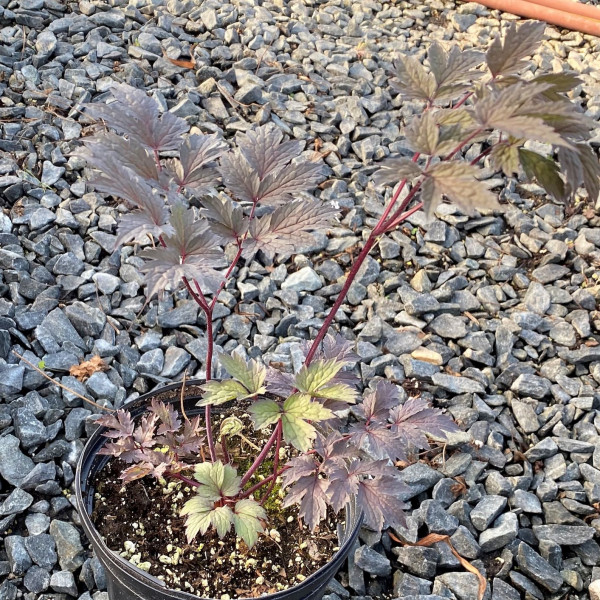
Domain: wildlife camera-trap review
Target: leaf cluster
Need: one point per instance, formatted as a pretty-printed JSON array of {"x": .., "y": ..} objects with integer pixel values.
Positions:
[
  {"x": 161, "y": 443},
  {"x": 475, "y": 97},
  {"x": 262, "y": 170}
]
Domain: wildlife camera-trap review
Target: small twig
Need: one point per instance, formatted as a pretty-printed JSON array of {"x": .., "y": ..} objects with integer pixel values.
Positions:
[{"x": 60, "y": 385}]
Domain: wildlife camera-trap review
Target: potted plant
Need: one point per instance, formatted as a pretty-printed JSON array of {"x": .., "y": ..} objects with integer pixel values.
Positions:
[{"x": 257, "y": 484}]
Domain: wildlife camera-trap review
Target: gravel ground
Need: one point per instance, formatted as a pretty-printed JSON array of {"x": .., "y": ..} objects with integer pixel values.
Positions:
[{"x": 496, "y": 317}]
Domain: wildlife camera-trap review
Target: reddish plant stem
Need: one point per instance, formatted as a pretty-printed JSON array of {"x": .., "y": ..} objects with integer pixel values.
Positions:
[
  {"x": 394, "y": 218},
  {"x": 183, "y": 478},
  {"x": 275, "y": 468},
  {"x": 262, "y": 482},
  {"x": 263, "y": 453}
]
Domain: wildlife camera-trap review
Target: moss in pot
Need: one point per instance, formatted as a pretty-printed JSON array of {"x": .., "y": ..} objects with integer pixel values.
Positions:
[{"x": 230, "y": 463}]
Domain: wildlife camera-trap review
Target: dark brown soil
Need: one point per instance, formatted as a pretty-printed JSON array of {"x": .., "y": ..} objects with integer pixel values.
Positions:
[{"x": 141, "y": 521}]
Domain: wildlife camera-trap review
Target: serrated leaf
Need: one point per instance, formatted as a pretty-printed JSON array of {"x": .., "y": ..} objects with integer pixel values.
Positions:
[
  {"x": 453, "y": 69},
  {"x": 378, "y": 403},
  {"x": 378, "y": 440},
  {"x": 412, "y": 80},
  {"x": 264, "y": 412},
  {"x": 337, "y": 391},
  {"x": 265, "y": 152},
  {"x": 298, "y": 409},
  {"x": 591, "y": 170},
  {"x": 412, "y": 420},
  {"x": 394, "y": 170},
  {"x": 379, "y": 500},
  {"x": 195, "y": 154},
  {"x": 458, "y": 182},
  {"x": 136, "y": 114},
  {"x": 422, "y": 134},
  {"x": 250, "y": 374},
  {"x": 144, "y": 432},
  {"x": 310, "y": 494},
  {"x": 227, "y": 219},
  {"x": 544, "y": 170},
  {"x": 298, "y": 467},
  {"x": 287, "y": 228},
  {"x": 505, "y": 157},
  {"x": 167, "y": 415},
  {"x": 319, "y": 373},
  {"x": 239, "y": 177},
  {"x": 202, "y": 514},
  {"x": 247, "y": 516},
  {"x": 135, "y": 472},
  {"x": 217, "y": 480},
  {"x": 506, "y": 57},
  {"x": 299, "y": 177},
  {"x": 219, "y": 392},
  {"x": 120, "y": 424}
]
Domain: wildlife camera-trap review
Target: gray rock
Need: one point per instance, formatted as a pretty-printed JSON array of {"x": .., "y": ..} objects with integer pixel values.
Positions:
[
  {"x": 41, "y": 473},
  {"x": 502, "y": 591},
  {"x": 437, "y": 519},
  {"x": 101, "y": 386},
  {"x": 486, "y": 511},
  {"x": 538, "y": 569},
  {"x": 14, "y": 465},
  {"x": 42, "y": 550},
  {"x": 526, "y": 501},
  {"x": 418, "y": 478},
  {"x": 550, "y": 272},
  {"x": 17, "y": 502},
  {"x": 537, "y": 298},
  {"x": 75, "y": 422},
  {"x": 448, "y": 326},
  {"x": 63, "y": 582},
  {"x": 11, "y": 379},
  {"x": 419, "y": 561},
  {"x": 543, "y": 449},
  {"x": 176, "y": 359},
  {"x": 37, "y": 523},
  {"x": 527, "y": 384},
  {"x": 68, "y": 543},
  {"x": 86, "y": 319},
  {"x": 525, "y": 415},
  {"x": 457, "y": 385},
  {"x": 504, "y": 531},
  {"x": 303, "y": 280},
  {"x": 107, "y": 284},
  {"x": 36, "y": 580},
  {"x": 30, "y": 431},
  {"x": 18, "y": 557},
  {"x": 372, "y": 562},
  {"x": 45, "y": 42},
  {"x": 565, "y": 535}
]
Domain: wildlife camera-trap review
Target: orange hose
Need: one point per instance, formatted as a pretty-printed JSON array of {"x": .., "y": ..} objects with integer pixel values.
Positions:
[
  {"x": 575, "y": 8},
  {"x": 549, "y": 15}
]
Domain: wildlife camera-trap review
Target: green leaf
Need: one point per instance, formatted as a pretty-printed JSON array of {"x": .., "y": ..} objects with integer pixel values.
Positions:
[
  {"x": 41, "y": 365},
  {"x": 231, "y": 426},
  {"x": 221, "y": 519},
  {"x": 317, "y": 374},
  {"x": 198, "y": 511},
  {"x": 217, "y": 480},
  {"x": 219, "y": 392},
  {"x": 544, "y": 170},
  {"x": 250, "y": 374},
  {"x": 264, "y": 412},
  {"x": 246, "y": 520},
  {"x": 337, "y": 391},
  {"x": 297, "y": 411},
  {"x": 202, "y": 514}
]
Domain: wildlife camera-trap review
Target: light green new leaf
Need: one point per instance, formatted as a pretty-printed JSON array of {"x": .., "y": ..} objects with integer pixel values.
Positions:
[
  {"x": 316, "y": 375},
  {"x": 298, "y": 409},
  {"x": 337, "y": 391},
  {"x": 250, "y": 374},
  {"x": 218, "y": 480},
  {"x": 246, "y": 520},
  {"x": 219, "y": 392},
  {"x": 221, "y": 519},
  {"x": 264, "y": 412}
]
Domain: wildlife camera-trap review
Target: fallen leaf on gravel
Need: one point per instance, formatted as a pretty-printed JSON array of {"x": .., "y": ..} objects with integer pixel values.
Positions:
[{"x": 87, "y": 368}]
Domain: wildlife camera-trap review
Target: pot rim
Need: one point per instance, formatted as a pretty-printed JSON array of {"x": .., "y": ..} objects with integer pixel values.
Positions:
[{"x": 346, "y": 532}]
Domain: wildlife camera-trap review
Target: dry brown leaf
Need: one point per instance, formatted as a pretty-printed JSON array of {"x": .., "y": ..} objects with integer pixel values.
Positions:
[
  {"x": 434, "y": 538},
  {"x": 87, "y": 368},
  {"x": 183, "y": 63}
]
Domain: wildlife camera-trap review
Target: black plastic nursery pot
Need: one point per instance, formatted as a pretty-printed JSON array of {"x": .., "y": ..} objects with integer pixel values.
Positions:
[{"x": 127, "y": 582}]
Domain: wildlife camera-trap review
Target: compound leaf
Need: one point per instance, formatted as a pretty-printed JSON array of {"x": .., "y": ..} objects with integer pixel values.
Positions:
[
  {"x": 412, "y": 79},
  {"x": 298, "y": 409},
  {"x": 202, "y": 514},
  {"x": 319, "y": 373},
  {"x": 277, "y": 188},
  {"x": 217, "y": 480},
  {"x": 227, "y": 219},
  {"x": 310, "y": 494},
  {"x": 505, "y": 156},
  {"x": 195, "y": 154},
  {"x": 379, "y": 499}
]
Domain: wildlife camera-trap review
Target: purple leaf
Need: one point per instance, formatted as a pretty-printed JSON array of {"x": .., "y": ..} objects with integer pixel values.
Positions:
[
  {"x": 376, "y": 405},
  {"x": 227, "y": 219},
  {"x": 120, "y": 424},
  {"x": 379, "y": 499},
  {"x": 287, "y": 229},
  {"x": 310, "y": 494},
  {"x": 277, "y": 188},
  {"x": 415, "y": 418},
  {"x": 239, "y": 177},
  {"x": 378, "y": 440},
  {"x": 136, "y": 114},
  {"x": 195, "y": 154},
  {"x": 264, "y": 151},
  {"x": 298, "y": 467}
]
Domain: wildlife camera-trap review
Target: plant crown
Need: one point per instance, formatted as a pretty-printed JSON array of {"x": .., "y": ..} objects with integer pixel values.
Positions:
[{"x": 253, "y": 199}]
